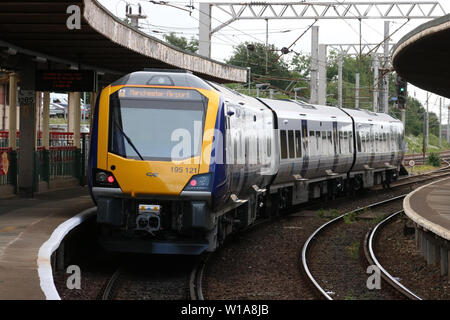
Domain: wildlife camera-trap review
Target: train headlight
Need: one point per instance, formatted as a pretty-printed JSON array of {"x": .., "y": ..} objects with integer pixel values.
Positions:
[
  {"x": 201, "y": 182},
  {"x": 105, "y": 179}
]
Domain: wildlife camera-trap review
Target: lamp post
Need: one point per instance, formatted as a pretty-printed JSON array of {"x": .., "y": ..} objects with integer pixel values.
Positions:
[
  {"x": 262, "y": 86},
  {"x": 297, "y": 90}
]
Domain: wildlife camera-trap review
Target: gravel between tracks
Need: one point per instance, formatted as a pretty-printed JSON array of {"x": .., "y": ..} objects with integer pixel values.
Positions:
[{"x": 265, "y": 263}]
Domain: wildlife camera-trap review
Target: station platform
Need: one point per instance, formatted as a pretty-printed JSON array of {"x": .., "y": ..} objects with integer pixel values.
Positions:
[
  {"x": 25, "y": 224},
  {"x": 429, "y": 208}
]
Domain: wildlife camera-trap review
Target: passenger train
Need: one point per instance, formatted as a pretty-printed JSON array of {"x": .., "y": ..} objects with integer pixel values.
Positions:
[{"x": 177, "y": 163}]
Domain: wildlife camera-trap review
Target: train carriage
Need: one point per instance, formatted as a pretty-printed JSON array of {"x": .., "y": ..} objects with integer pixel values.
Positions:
[{"x": 177, "y": 163}]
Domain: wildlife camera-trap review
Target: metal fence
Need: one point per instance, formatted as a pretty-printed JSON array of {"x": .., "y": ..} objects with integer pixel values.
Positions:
[{"x": 62, "y": 160}]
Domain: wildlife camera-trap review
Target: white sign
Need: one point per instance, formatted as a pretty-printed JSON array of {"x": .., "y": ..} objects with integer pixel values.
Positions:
[{"x": 412, "y": 163}]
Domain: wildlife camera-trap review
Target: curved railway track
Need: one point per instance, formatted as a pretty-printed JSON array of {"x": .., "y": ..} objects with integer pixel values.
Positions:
[
  {"x": 324, "y": 281},
  {"x": 371, "y": 257}
]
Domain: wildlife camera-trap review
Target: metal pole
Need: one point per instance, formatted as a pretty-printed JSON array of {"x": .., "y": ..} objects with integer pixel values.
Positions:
[
  {"x": 322, "y": 90},
  {"x": 340, "y": 81},
  {"x": 404, "y": 118},
  {"x": 440, "y": 123},
  {"x": 12, "y": 111},
  {"x": 427, "y": 124},
  {"x": 314, "y": 64},
  {"x": 46, "y": 121},
  {"x": 375, "y": 82},
  {"x": 386, "y": 67},
  {"x": 204, "y": 28},
  {"x": 357, "y": 91},
  {"x": 448, "y": 124},
  {"x": 267, "y": 46},
  {"x": 424, "y": 140},
  {"x": 249, "y": 78}
]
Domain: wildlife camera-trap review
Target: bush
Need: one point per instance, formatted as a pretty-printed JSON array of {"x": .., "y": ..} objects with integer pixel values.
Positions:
[{"x": 434, "y": 159}]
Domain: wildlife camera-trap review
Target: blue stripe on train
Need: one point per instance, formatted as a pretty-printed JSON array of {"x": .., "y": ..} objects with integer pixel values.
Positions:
[
  {"x": 94, "y": 143},
  {"x": 217, "y": 165}
]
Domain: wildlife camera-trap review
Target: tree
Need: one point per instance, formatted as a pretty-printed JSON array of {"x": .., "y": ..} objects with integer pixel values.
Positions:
[
  {"x": 256, "y": 60},
  {"x": 182, "y": 42}
]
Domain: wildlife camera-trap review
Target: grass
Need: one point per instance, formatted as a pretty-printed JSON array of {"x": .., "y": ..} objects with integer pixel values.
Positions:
[
  {"x": 421, "y": 169},
  {"x": 415, "y": 144},
  {"x": 350, "y": 218},
  {"x": 332, "y": 213},
  {"x": 353, "y": 250}
]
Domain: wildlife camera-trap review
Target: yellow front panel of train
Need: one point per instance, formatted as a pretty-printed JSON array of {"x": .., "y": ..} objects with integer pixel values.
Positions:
[{"x": 151, "y": 176}]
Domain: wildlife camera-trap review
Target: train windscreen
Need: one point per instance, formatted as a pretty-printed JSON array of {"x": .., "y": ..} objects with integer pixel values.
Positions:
[{"x": 156, "y": 124}]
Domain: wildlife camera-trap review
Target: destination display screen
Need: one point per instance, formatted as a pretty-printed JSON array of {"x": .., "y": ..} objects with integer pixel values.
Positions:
[
  {"x": 159, "y": 93},
  {"x": 66, "y": 80}
]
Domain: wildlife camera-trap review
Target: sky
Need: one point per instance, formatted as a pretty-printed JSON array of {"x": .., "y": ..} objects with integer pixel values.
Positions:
[{"x": 162, "y": 19}]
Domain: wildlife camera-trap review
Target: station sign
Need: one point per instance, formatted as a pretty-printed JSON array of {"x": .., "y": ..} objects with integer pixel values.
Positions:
[
  {"x": 66, "y": 80},
  {"x": 26, "y": 97}
]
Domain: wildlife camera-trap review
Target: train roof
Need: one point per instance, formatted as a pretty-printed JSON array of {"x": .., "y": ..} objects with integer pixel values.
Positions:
[
  {"x": 365, "y": 116},
  {"x": 293, "y": 109},
  {"x": 162, "y": 77}
]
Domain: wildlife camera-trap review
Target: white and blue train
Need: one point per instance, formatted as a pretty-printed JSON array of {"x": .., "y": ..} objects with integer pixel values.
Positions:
[{"x": 248, "y": 158}]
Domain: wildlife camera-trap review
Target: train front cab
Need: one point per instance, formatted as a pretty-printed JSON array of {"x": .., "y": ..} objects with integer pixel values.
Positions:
[{"x": 150, "y": 168}]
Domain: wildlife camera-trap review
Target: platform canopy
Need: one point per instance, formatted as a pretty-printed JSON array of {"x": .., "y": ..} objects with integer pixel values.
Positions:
[
  {"x": 422, "y": 56},
  {"x": 104, "y": 43}
]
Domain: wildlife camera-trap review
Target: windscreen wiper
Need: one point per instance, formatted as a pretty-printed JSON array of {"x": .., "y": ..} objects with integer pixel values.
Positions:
[{"x": 128, "y": 140}]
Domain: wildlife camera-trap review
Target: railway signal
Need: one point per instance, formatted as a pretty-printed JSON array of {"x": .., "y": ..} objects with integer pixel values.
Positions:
[{"x": 401, "y": 91}]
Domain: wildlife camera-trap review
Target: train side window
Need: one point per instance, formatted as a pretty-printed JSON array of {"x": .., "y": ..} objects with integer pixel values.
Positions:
[
  {"x": 312, "y": 143},
  {"x": 258, "y": 156},
  {"x": 291, "y": 144},
  {"x": 358, "y": 141},
  {"x": 341, "y": 142},
  {"x": 368, "y": 142},
  {"x": 305, "y": 140},
  {"x": 350, "y": 142},
  {"x": 345, "y": 147},
  {"x": 363, "y": 141},
  {"x": 330, "y": 143},
  {"x": 269, "y": 146},
  {"x": 376, "y": 141},
  {"x": 283, "y": 144},
  {"x": 388, "y": 142},
  {"x": 318, "y": 143},
  {"x": 298, "y": 143},
  {"x": 324, "y": 143}
]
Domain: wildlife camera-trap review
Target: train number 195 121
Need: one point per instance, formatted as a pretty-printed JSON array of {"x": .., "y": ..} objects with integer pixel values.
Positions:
[{"x": 184, "y": 170}]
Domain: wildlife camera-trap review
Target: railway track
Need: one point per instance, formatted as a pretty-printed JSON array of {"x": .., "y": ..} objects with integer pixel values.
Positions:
[
  {"x": 419, "y": 159},
  {"x": 371, "y": 257},
  {"x": 438, "y": 173},
  {"x": 347, "y": 278},
  {"x": 193, "y": 274},
  {"x": 165, "y": 280}
]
